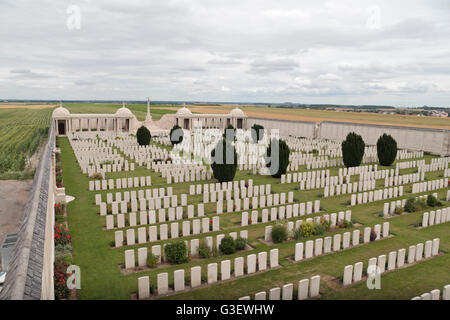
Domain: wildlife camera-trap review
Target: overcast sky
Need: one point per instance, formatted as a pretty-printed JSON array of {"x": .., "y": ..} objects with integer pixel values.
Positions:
[{"x": 341, "y": 52}]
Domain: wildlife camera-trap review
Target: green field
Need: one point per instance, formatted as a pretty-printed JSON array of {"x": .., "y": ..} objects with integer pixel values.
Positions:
[
  {"x": 21, "y": 132},
  {"x": 99, "y": 262},
  {"x": 139, "y": 110}
]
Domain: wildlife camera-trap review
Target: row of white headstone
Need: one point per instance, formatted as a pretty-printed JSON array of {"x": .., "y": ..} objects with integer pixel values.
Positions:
[
  {"x": 436, "y": 217},
  {"x": 150, "y": 217},
  {"x": 331, "y": 191},
  {"x": 245, "y": 193},
  {"x": 237, "y": 192},
  {"x": 147, "y": 194},
  {"x": 376, "y": 195},
  {"x": 307, "y": 288},
  {"x": 396, "y": 259},
  {"x": 409, "y": 164},
  {"x": 206, "y": 225},
  {"x": 119, "y": 183},
  {"x": 169, "y": 202},
  {"x": 270, "y": 200},
  {"x": 280, "y": 213},
  {"x": 429, "y": 185},
  {"x": 326, "y": 245},
  {"x": 405, "y": 154},
  {"x": 254, "y": 264},
  {"x": 404, "y": 179},
  {"x": 435, "y": 294},
  {"x": 305, "y": 175},
  {"x": 189, "y": 176},
  {"x": 158, "y": 251}
]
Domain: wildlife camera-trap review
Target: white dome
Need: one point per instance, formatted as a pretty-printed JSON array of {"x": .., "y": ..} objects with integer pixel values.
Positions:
[
  {"x": 184, "y": 111},
  {"x": 60, "y": 112},
  {"x": 124, "y": 112},
  {"x": 237, "y": 112}
]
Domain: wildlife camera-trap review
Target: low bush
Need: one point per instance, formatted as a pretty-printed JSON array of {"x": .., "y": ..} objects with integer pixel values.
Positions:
[
  {"x": 432, "y": 201},
  {"x": 321, "y": 228},
  {"x": 305, "y": 230},
  {"x": 240, "y": 243},
  {"x": 398, "y": 210},
  {"x": 60, "y": 279},
  {"x": 62, "y": 236},
  {"x": 204, "y": 250},
  {"x": 413, "y": 205},
  {"x": 227, "y": 245},
  {"x": 176, "y": 252},
  {"x": 152, "y": 260},
  {"x": 346, "y": 224},
  {"x": 279, "y": 233}
]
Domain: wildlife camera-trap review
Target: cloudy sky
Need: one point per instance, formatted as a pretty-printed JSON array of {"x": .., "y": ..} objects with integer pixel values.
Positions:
[{"x": 342, "y": 52}]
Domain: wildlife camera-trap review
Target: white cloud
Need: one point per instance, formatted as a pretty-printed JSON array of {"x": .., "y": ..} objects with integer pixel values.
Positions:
[{"x": 289, "y": 50}]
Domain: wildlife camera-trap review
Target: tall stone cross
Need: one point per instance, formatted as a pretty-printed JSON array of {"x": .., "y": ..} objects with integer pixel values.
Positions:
[{"x": 148, "y": 117}]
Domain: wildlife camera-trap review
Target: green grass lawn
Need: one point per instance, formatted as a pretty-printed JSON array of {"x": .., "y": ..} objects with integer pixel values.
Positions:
[{"x": 102, "y": 279}]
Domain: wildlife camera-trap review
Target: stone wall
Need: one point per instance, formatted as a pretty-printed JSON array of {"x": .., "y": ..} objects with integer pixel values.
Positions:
[
  {"x": 286, "y": 127},
  {"x": 436, "y": 141},
  {"x": 30, "y": 276}
]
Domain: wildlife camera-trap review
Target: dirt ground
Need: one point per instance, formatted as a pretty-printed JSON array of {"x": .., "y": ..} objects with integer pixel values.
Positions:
[
  {"x": 7, "y": 105},
  {"x": 13, "y": 198}
]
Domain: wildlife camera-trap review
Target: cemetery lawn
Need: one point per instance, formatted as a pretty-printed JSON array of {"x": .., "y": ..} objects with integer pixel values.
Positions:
[{"x": 101, "y": 277}]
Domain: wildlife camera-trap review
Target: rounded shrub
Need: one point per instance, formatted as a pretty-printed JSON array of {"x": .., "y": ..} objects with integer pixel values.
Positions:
[
  {"x": 143, "y": 136},
  {"x": 176, "y": 252},
  {"x": 410, "y": 205},
  {"x": 240, "y": 243},
  {"x": 204, "y": 251},
  {"x": 152, "y": 260},
  {"x": 353, "y": 150},
  {"x": 432, "y": 201},
  {"x": 176, "y": 135},
  {"x": 224, "y": 161},
  {"x": 279, "y": 233},
  {"x": 277, "y": 157},
  {"x": 257, "y": 132},
  {"x": 386, "y": 150},
  {"x": 227, "y": 245}
]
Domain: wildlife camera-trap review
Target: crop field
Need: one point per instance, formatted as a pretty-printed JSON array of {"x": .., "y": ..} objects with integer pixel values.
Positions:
[
  {"x": 139, "y": 110},
  {"x": 21, "y": 132}
]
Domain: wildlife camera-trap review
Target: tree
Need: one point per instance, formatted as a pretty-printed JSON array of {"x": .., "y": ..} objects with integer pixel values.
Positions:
[
  {"x": 143, "y": 136},
  {"x": 353, "y": 150},
  {"x": 277, "y": 157},
  {"x": 386, "y": 150},
  {"x": 224, "y": 161},
  {"x": 229, "y": 133},
  {"x": 257, "y": 132},
  {"x": 176, "y": 135}
]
